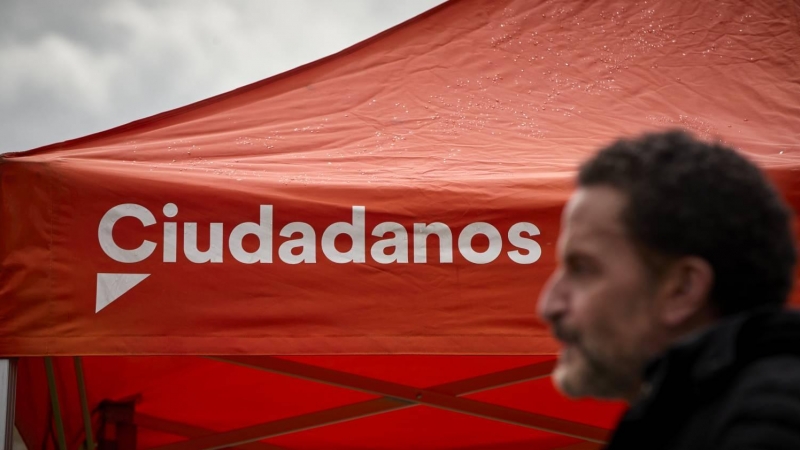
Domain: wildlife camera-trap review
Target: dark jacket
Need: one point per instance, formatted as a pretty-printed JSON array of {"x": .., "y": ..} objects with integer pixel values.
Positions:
[{"x": 735, "y": 386}]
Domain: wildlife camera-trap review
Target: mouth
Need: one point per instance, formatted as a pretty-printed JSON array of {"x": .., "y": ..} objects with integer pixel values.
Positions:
[
  {"x": 566, "y": 343},
  {"x": 565, "y": 338},
  {"x": 570, "y": 344},
  {"x": 569, "y": 355}
]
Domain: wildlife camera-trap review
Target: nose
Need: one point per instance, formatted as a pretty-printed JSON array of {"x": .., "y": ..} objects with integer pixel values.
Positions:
[{"x": 553, "y": 298}]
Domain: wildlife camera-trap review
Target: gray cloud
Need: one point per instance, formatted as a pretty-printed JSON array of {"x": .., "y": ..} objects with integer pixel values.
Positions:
[{"x": 72, "y": 68}]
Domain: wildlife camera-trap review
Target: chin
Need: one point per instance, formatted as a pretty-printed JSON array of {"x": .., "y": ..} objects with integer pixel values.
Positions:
[
  {"x": 574, "y": 378},
  {"x": 567, "y": 380}
]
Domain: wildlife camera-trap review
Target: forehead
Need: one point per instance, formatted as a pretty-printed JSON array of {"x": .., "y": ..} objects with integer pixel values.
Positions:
[{"x": 593, "y": 215}]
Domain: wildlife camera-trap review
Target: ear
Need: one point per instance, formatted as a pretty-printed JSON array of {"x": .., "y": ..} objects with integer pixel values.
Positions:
[{"x": 685, "y": 290}]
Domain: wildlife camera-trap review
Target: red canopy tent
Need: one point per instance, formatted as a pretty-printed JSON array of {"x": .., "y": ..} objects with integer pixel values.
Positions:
[{"x": 348, "y": 255}]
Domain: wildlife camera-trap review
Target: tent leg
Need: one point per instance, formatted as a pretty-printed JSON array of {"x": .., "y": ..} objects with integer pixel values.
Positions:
[
  {"x": 87, "y": 419},
  {"x": 8, "y": 390},
  {"x": 51, "y": 381}
]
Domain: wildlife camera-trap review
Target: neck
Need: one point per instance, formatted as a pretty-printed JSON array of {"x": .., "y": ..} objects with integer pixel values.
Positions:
[
  {"x": 665, "y": 338},
  {"x": 636, "y": 393},
  {"x": 694, "y": 324}
]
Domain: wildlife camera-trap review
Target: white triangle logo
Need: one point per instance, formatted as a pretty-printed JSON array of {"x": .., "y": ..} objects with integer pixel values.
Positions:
[{"x": 110, "y": 286}]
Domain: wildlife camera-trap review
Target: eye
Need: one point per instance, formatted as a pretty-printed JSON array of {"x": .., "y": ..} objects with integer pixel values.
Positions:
[{"x": 580, "y": 267}]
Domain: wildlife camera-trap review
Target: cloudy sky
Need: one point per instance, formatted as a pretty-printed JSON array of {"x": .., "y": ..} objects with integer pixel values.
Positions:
[{"x": 70, "y": 68}]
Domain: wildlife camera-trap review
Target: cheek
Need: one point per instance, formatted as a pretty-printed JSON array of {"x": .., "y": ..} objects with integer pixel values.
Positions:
[{"x": 612, "y": 306}]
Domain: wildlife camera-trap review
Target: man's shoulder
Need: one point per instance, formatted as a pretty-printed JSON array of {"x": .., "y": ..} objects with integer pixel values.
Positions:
[
  {"x": 735, "y": 386},
  {"x": 738, "y": 384},
  {"x": 769, "y": 375},
  {"x": 761, "y": 408}
]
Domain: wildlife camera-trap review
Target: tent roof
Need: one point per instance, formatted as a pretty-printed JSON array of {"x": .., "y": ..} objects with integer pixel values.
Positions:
[{"x": 517, "y": 76}]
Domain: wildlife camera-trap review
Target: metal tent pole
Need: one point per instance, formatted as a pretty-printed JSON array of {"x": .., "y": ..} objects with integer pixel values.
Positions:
[
  {"x": 87, "y": 419},
  {"x": 51, "y": 381},
  {"x": 394, "y": 396},
  {"x": 8, "y": 389}
]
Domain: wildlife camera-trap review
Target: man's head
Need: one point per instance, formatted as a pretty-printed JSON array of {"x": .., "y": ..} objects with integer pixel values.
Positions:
[{"x": 663, "y": 235}]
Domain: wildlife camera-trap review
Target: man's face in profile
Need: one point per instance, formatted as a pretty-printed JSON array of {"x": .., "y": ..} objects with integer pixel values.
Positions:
[{"x": 598, "y": 301}]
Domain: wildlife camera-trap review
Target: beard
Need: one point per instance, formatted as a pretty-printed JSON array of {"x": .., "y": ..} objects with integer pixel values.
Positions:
[{"x": 594, "y": 368}]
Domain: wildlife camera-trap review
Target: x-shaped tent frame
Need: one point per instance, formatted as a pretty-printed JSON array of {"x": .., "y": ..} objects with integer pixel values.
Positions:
[{"x": 393, "y": 396}]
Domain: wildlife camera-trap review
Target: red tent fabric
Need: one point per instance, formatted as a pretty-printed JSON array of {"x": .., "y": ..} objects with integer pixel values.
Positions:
[{"x": 389, "y": 213}]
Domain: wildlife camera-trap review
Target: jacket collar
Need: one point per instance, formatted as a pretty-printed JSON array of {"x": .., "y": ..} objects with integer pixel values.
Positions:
[
  {"x": 698, "y": 365},
  {"x": 706, "y": 354}
]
